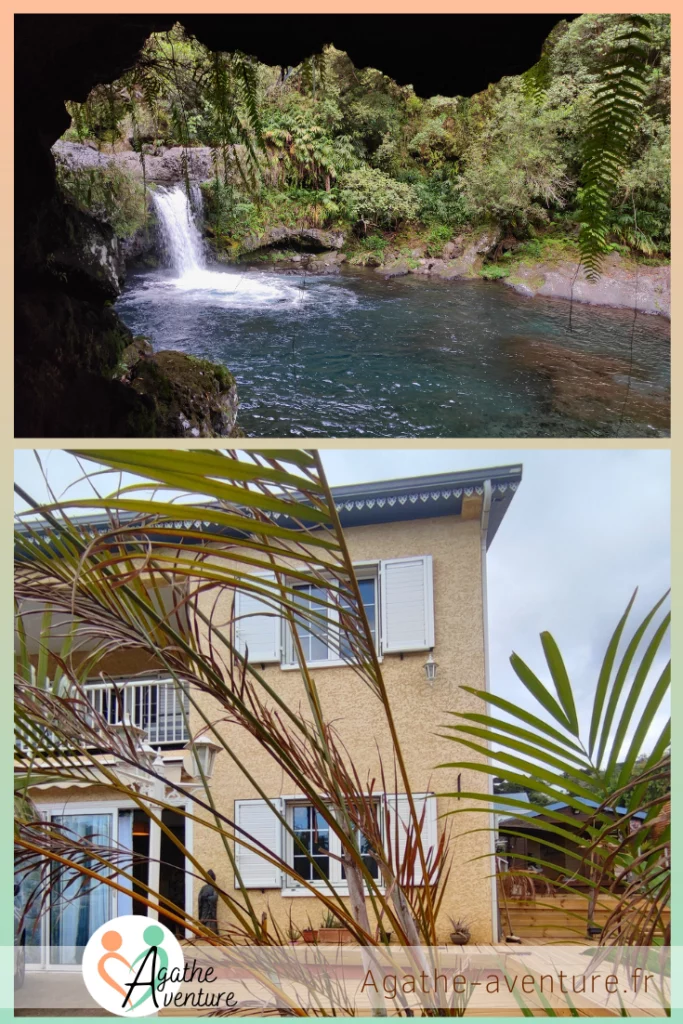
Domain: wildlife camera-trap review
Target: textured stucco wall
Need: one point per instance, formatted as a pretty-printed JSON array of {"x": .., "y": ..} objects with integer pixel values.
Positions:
[{"x": 420, "y": 711}]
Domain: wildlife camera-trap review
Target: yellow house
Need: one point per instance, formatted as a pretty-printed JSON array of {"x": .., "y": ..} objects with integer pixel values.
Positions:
[{"x": 419, "y": 550}]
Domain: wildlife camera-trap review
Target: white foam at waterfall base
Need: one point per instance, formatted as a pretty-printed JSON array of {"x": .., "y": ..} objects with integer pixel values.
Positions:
[{"x": 185, "y": 253}]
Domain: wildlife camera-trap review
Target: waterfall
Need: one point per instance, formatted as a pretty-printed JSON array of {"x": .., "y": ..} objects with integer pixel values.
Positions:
[
  {"x": 182, "y": 240},
  {"x": 184, "y": 250}
]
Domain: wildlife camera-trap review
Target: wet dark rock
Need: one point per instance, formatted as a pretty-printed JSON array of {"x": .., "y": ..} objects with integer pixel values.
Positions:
[
  {"x": 142, "y": 246},
  {"x": 306, "y": 239},
  {"x": 191, "y": 397},
  {"x": 87, "y": 257},
  {"x": 68, "y": 339}
]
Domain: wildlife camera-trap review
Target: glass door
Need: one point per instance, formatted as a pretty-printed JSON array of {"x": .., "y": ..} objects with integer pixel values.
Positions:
[{"x": 79, "y": 905}]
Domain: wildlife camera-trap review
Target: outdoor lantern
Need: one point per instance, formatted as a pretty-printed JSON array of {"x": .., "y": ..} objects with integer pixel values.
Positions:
[
  {"x": 204, "y": 751},
  {"x": 430, "y": 667}
]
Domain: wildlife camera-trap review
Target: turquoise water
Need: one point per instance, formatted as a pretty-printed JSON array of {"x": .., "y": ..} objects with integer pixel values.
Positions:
[{"x": 354, "y": 355}]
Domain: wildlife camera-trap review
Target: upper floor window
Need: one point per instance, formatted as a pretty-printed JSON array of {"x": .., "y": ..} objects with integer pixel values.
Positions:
[
  {"x": 325, "y": 642},
  {"x": 397, "y": 596}
]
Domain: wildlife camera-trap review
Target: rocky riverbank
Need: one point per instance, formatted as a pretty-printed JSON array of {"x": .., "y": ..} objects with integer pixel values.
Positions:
[
  {"x": 623, "y": 284},
  {"x": 483, "y": 252}
]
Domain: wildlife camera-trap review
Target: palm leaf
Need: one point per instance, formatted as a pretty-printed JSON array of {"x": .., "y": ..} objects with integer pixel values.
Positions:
[
  {"x": 522, "y": 749},
  {"x": 237, "y": 513}
]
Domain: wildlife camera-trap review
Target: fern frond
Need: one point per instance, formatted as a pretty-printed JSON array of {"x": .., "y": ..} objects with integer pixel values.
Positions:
[
  {"x": 617, "y": 105},
  {"x": 536, "y": 80}
]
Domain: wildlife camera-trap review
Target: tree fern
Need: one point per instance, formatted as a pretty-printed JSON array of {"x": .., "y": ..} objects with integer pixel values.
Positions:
[
  {"x": 536, "y": 80},
  {"x": 617, "y": 104}
]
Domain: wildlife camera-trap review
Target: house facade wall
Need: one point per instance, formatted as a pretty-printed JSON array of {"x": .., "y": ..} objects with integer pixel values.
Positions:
[{"x": 421, "y": 710}]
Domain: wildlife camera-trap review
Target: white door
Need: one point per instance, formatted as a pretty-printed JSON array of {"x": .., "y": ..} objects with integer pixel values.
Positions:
[{"x": 78, "y": 905}]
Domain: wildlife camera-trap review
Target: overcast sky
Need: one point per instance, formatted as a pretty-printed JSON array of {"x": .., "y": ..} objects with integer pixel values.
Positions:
[{"x": 583, "y": 530}]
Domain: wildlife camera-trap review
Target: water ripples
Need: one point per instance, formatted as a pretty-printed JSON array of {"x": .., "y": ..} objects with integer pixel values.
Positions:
[{"x": 357, "y": 356}]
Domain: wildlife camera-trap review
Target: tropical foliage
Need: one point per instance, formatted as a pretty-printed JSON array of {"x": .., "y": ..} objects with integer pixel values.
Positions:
[
  {"x": 575, "y": 148},
  {"x": 618, "y": 104},
  {"x": 600, "y": 772},
  {"x": 149, "y": 579}
]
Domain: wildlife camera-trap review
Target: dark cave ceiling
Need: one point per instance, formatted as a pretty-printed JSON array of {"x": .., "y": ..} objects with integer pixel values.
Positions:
[{"x": 61, "y": 57}]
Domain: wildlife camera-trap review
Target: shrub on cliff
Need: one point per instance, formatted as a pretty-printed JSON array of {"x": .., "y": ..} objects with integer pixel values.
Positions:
[
  {"x": 372, "y": 197},
  {"x": 108, "y": 193}
]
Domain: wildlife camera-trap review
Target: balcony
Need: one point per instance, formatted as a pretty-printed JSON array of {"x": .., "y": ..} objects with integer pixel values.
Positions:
[{"x": 153, "y": 705}]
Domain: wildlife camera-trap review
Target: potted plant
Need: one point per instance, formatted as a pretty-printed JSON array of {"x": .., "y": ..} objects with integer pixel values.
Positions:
[
  {"x": 460, "y": 932},
  {"x": 310, "y": 934},
  {"x": 332, "y": 932}
]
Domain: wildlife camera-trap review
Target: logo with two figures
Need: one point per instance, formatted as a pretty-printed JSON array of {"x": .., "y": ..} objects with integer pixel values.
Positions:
[{"x": 133, "y": 966}]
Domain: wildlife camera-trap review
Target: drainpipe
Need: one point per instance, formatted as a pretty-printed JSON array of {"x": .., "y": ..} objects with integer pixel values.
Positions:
[{"x": 486, "y": 508}]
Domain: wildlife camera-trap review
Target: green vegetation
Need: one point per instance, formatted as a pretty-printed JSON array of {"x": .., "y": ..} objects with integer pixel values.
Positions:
[
  {"x": 598, "y": 770},
  {"x": 493, "y": 272},
  {"x": 108, "y": 193},
  {"x": 573, "y": 154}
]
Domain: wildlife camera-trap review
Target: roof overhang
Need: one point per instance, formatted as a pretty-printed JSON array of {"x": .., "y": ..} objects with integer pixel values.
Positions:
[{"x": 386, "y": 501}]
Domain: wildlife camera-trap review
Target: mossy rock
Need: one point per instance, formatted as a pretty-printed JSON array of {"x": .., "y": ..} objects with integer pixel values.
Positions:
[
  {"x": 138, "y": 349},
  {"x": 193, "y": 397}
]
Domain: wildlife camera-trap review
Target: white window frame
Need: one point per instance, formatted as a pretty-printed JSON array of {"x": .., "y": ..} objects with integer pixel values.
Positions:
[
  {"x": 290, "y": 887},
  {"x": 363, "y": 571},
  {"x": 47, "y": 811}
]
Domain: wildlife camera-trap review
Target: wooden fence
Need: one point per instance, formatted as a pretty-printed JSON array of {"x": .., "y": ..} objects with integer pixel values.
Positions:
[{"x": 553, "y": 917}]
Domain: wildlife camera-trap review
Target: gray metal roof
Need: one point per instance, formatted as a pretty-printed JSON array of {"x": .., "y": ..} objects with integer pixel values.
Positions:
[
  {"x": 426, "y": 497},
  {"x": 385, "y": 501}
]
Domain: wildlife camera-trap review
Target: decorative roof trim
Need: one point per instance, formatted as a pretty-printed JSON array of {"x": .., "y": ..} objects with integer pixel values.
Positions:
[
  {"x": 421, "y": 493},
  {"x": 422, "y": 496}
]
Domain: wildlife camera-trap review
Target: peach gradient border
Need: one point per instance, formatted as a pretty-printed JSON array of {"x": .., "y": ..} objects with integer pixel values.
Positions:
[{"x": 6, "y": 318}]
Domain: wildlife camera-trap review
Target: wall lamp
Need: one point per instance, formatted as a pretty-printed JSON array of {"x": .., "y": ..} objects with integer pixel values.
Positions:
[
  {"x": 430, "y": 666},
  {"x": 204, "y": 751}
]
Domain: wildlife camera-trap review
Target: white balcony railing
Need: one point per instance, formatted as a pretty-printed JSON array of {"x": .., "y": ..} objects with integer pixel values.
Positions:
[{"x": 152, "y": 705}]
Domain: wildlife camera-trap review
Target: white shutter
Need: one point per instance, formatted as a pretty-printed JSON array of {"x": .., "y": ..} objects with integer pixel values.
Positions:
[
  {"x": 407, "y": 604},
  {"x": 256, "y": 634},
  {"x": 260, "y": 824},
  {"x": 399, "y": 824}
]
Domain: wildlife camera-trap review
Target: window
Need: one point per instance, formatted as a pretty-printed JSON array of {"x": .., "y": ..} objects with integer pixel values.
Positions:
[
  {"x": 368, "y": 595},
  {"x": 324, "y": 641},
  {"x": 314, "y": 833},
  {"x": 366, "y": 851},
  {"x": 397, "y": 594},
  {"x": 260, "y": 822},
  {"x": 314, "y": 645}
]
